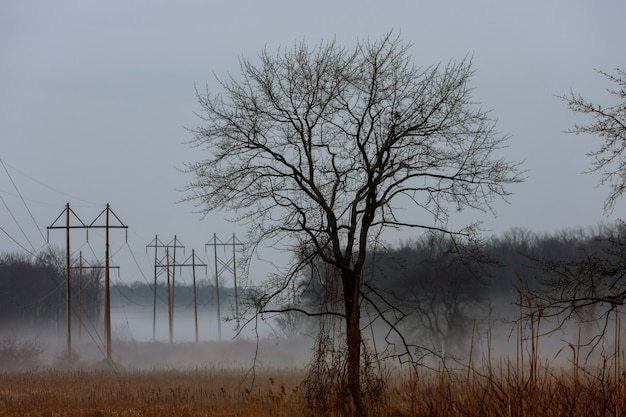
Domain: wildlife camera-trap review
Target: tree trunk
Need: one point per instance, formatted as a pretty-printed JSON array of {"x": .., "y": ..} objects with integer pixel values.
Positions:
[{"x": 351, "y": 282}]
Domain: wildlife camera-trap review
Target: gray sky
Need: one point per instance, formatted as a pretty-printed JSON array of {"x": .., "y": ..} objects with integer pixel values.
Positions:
[{"x": 95, "y": 97}]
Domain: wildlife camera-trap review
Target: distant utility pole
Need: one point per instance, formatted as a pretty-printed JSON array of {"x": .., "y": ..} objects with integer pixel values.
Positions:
[
  {"x": 107, "y": 287},
  {"x": 193, "y": 265},
  {"x": 107, "y": 299},
  {"x": 220, "y": 267},
  {"x": 80, "y": 288},
  {"x": 235, "y": 242},
  {"x": 80, "y": 295},
  {"x": 173, "y": 244},
  {"x": 67, "y": 211},
  {"x": 156, "y": 244},
  {"x": 170, "y": 314}
]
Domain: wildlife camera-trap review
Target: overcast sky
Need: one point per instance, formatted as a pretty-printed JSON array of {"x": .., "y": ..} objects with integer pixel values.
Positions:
[{"x": 95, "y": 97}]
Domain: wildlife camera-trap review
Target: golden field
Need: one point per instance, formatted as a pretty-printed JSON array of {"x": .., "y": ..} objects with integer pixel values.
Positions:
[
  {"x": 501, "y": 391},
  {"x": 245, "y": 379}
]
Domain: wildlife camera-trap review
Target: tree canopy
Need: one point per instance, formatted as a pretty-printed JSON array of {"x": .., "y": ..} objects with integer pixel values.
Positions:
[
  {"x": 609, "y": 123},
  {"x": 322, "y": 148}
]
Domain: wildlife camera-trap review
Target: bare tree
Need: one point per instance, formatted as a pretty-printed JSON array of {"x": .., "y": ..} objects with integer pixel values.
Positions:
[
  {"x": 609, "y": 122},
  {"x": 585, "y": 280},
  {"x": 331, "y": 146},
  {"x": 444, "y": 295},
  {"x": 438, "y": 291},
  {"x": 589, "y": 284}
]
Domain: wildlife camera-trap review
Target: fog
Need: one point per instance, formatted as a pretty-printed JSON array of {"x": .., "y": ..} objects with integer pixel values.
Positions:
[
  {"x": 136, "y": 324},
  {"x": 444, "y": 310},
  {"x": 133, "y": 347}
]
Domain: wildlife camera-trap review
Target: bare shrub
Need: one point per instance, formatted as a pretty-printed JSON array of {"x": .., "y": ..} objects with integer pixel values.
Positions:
[
  {"x": 326, "y": 387},
  {"x": 16, "y": 355}
]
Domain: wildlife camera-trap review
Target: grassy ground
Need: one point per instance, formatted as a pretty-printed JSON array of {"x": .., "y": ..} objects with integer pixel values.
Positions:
[
  {"x": 156, "y": 393},
  {"x": 226, "y": 392},
  {"x": 215, "y": 379}
]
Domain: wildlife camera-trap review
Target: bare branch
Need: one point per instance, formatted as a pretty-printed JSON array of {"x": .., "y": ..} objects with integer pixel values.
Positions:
[
  {"x": 609, "y": 123},
  {"x": 316, "y": 146}
]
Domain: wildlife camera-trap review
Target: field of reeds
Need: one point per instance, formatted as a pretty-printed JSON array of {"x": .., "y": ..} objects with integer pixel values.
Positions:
[
  {"x": 567, "y": 384},
  {"x": 502, "y": 390}
]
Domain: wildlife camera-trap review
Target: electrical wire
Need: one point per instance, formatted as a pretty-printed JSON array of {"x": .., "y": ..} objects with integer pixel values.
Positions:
[
  {"x": 140, "y": 270},
  {"x": 23, "y": 202},
  {"x": 98, "y": 342},
  {"x": 16, "y": 242},
  {"x": 17, "y": 223},
  {"x": 90, "y": 203}
]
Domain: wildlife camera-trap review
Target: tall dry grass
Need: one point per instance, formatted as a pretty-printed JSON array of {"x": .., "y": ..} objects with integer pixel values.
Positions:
[
  {"x": 496, "y": 391},
  {"x": 155, "y": 393},
  {"x": 524, "y": 386}
]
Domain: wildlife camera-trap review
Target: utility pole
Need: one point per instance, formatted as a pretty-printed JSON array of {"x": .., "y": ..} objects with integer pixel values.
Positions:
[
  {"x": 235, "y": 243},
  {"x": 193, "y": 265},
  {"x": 80, "y": 295},
  {"x": 173, "y": 245},
  {"x": 156, "y": 244},
  {"x": 221, "y": 266},
  {"x": 107, "y": 286},
  {"x": 217, "y": 286},
  {"x": 169, "y": 296},
  {"x": 80, "y": 288},
  {"x": 67, "y": 211}
]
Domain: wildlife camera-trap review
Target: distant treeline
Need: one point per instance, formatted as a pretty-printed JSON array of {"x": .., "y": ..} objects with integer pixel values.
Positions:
[
  {"x": 33, "y": 291},
  {"x": 440, "y": 285},
  {"x": 437, "y": 289},
  {"x": 141, "y": 294}
]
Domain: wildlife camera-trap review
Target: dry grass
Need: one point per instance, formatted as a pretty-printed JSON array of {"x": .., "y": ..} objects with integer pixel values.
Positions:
[
  {"x": 155, "y": 393},
  {"x": 502, "y": 392},
  {"x": 214, "y": 392},
  {"x": 515, "y": 388}
]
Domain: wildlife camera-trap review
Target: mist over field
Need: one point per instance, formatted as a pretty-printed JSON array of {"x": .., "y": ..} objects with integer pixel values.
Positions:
[
  {"x": 452, "y": 310},
  {"x": 460, "y": 321},
  {"x": 135, "y": 348},
  {"x": 500, "y": 337}
]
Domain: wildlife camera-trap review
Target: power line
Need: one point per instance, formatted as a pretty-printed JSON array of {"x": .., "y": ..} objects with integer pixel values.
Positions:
[
  {"x": 22, "y": 198},
  {"x": 174, "y": 246},
  {"x": 156, "y": 244},
  {"x": 17, "y": 223},
  {"x": 193, "y": 265},
  {"x": 80, "y": 287},
  {"x": 16, "y": 241},
  {"x": 90, "y": 203},
  {"x": 34, "y": 251},
  {"x": 108, "y": 212},
  {"x": 140, "y": 270},
  {"x": 225, "y": 266},
  {"x": 68, "y": 211}
]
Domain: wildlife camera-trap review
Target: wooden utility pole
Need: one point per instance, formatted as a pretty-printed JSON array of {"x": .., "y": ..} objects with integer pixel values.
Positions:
[
  {"x": 221, "y": 266},
  {"x": 169, "y": 296},
  {"x": 217, "y": 290},
  {"x": 193, "y": 265},
  {"x": 235, "y": 243},
  {"x": 156, "y": 244},
  {"x": 68, "y": 292},
  {"x": 68, "y": 287},
  {"x": 170, "y": 266},
  {"x": 81, "y": 266},
  {"x": 173, "y": 244},
  {"x": 80, "y": 295},
  {"x": 107, "y": 286}
]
